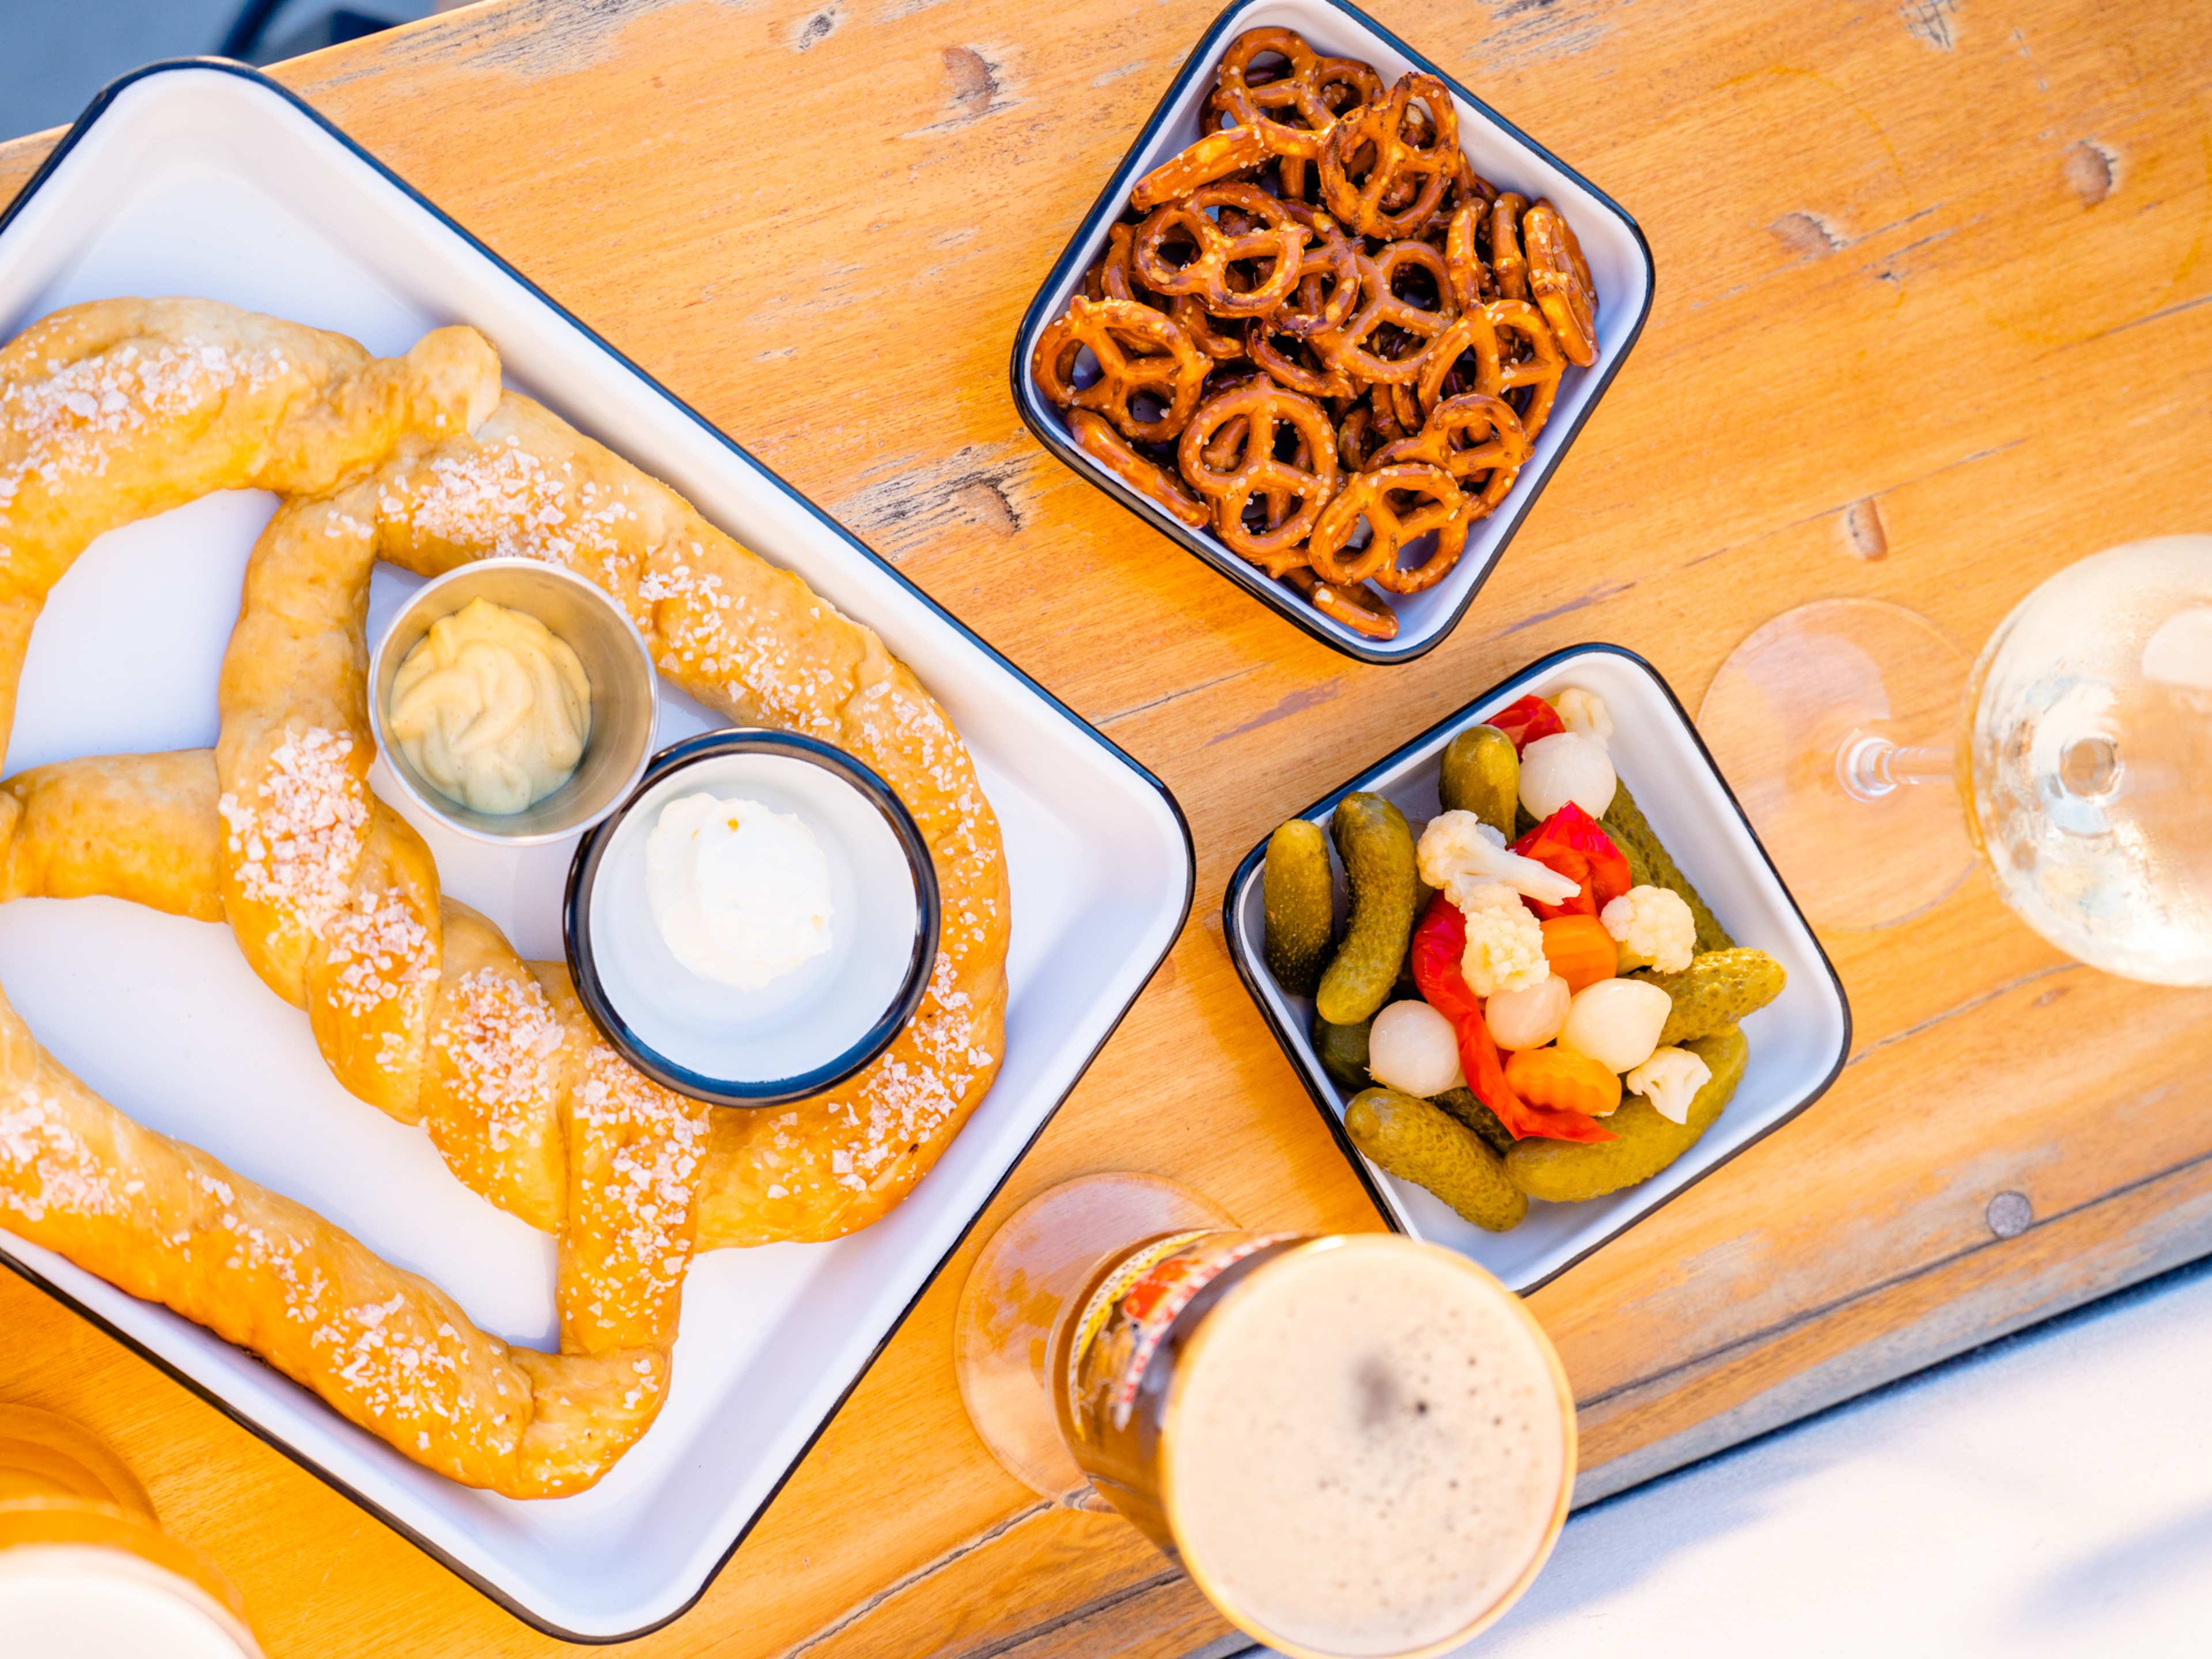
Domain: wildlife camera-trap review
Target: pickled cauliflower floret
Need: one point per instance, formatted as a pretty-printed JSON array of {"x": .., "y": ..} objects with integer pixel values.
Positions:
[
  {"x": 1617, "y": 1022},
  {"x": 1584, "y": 713},
  {"x": 1654, "y": 928},
  {"x": 1505, "y": 942},
  {"x": 1567, "y": 767},
  {"x": 1459, "y": 853},
  {"x": 1670, "y": 1080}
]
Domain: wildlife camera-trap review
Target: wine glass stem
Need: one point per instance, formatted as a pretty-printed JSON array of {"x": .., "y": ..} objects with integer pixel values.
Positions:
[{"x": 1869, "y": 767}]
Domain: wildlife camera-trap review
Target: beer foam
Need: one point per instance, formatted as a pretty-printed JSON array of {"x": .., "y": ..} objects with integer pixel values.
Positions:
[
  {"x": 1366, "y": 1448},
  {"x": 91, "y": 1601}
]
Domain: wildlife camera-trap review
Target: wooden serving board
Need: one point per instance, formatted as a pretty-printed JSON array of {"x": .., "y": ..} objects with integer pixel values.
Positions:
[{"x": 1932, "y": 321}]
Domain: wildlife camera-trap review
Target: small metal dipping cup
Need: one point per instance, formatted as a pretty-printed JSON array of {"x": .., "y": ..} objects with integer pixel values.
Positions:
[{"x": 616, "y": 661}]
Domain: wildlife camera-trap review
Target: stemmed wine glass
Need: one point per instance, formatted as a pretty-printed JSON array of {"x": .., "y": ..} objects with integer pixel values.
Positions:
[{"x": 2080, "y": 746}]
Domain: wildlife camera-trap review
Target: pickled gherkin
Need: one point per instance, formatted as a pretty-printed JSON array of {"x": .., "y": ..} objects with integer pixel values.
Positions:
[
  {"x": 1480, "y": 773},
  {"x": 1298, "y": 900},
  {"x": 1376, "y": 846},
  {"x": 1639, "y": 870},
  {"x": 1418, "y": 1141},
  {"x": 1462, "y": 1104},
  {"x": 1342, "y": 1050},
  {"x": 1651, "y": 866},
  {"x": 1719, "y": 988},
  {"x": 1568, "y": 1172}
]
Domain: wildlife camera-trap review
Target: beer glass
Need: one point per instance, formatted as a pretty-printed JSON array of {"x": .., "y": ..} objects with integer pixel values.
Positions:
[
  {"x": 86, "y": 1570},
  {"x": 1358, "y": 1447}
]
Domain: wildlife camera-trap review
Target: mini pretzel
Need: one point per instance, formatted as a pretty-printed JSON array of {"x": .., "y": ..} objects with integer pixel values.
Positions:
[
  {"x": 1301, "y": 89},
  {"x": 1259, "y": 470},
  {"x": 1539, "y": 367},
  {"x": 1439, "y": 507},
  {"x": 1278, "y": 243},
  {"x": 1477, "y": 331},
  {"x": 1353, "y": 346},
  {"x": 1454, "y": 439},
  {"x": 1226, "y": 447},
  {"x": 1096, "y": 437},
  {"x": 1301, "y": 368},
  {"x": 1110, "y": 277},
  {"x": 1560, "y": 279},
  {"x": 1356, "y": 607},
  {"x": 1507, "y": 263},
  {"x": 1173, "y": 372},
  {"x": 1222, "y": 452},
  {"x": 1224, "y": 344},
  {"x": 1404, "y": 406},
  {"x": 1367, "y": 426},
  {"x": 1328, "y": 277},
  {"x": 1376, "y": 136},
  {"x": 1469, "y": 189},
  {"x": 1214, "y": 157},
  {"x": 1472, "y": 283}
]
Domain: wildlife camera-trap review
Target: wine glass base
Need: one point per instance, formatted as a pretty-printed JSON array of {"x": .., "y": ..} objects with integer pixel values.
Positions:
[
  {"x": 1014, "y": 1297},
  {"x": 1793, "y": 699}
]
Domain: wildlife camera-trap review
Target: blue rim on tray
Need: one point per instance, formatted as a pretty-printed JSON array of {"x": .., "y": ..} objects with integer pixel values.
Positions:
[{"x": 1045, "y": 422}]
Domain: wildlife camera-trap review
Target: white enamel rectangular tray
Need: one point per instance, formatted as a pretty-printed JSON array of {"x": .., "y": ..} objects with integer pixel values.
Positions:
[
  {"x": 198, "y": 178},
  {"x": 1620, "y": 268},
  {"x": 1798, "y": 1041}
]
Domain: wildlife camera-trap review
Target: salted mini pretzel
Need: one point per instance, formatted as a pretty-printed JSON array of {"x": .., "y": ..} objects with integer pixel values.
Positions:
[
  {"x": 1276, "y": 245},
  {"x": 1509, "y": 265},
  {"x": 1215, "y": 156},
  {"x": 1294, "y": 363},
  {"x": 1476, "y": 438},
  {"x": 1357, "y": 608},
  {"x": 1328, "y": 277},
  {"x": 1230, "y": 484},
  {"x": 1400, "y": 504},
  {"x": 1371, "y": 420},
  {"x": 1141, "y": 353},
  {"x": 1111, "y": 277},
  {"x": 1356, "y": 347},
  {"x": 1512, "y": 347},
  {"x": 1096, "y": 436},
  {"x": 1375, "y": 154},
  {"x": 1472, "y": 283},
  {"x": 1560, "y": 278},
  {"x": 1317, "y": 90}
]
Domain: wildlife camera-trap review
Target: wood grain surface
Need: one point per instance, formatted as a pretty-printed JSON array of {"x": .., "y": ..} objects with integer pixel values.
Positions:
[{"x": 1932, "y": 320}]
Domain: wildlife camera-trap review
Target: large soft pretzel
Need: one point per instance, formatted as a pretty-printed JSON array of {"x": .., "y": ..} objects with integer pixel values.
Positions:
[{"x": 418, "y": 1004}]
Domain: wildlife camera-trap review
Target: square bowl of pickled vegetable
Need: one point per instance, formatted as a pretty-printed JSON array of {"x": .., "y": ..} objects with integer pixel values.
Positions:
[{"x": 1534, "y": 968}]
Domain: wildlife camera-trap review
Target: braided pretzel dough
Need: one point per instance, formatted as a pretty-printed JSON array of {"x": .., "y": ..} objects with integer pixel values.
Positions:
[{"x": 417, "y": 1003}]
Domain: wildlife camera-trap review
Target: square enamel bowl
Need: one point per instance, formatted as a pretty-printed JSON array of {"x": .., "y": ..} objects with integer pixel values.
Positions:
[
  {"x": 1620, "y": 268},
  {"x": 808, "y": 1029},
  {"x": 1798, "y": 1041}
]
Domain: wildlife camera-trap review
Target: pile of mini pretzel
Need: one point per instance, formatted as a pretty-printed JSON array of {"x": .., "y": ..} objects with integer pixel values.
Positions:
[{"x": 1319, "y": 334}]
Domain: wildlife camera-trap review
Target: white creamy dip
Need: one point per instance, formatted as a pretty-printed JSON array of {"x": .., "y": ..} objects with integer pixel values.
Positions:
[
  {"x": 492, "y": 707},
  {"x": 739, "y": 891}
]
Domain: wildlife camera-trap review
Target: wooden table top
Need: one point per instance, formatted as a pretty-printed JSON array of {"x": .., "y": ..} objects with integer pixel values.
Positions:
[{"x": 1932, "y": 320}]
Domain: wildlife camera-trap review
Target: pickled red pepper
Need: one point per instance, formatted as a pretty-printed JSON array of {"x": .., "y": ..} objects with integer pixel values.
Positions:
[
  {"x": 1528, "y": 719},
  {"x": 1439, "y": 942},
  {"x": 1576, "y": 845}
]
